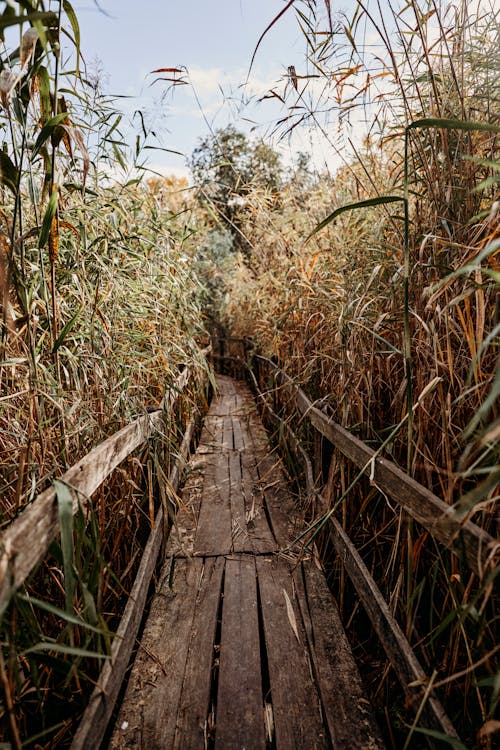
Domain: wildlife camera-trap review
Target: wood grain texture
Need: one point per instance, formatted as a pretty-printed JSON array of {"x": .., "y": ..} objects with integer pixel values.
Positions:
[
  {"x": 148, "y": 714},
  {"x": 191, "y": 730},
  {"x": 296, "y": 704},
  {"x": 213, "y": 535},
  {"x": 240, "y": 706}
]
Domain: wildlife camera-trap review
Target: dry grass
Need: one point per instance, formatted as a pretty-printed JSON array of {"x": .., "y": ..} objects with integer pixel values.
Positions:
[
  {"x": 100, "y": 306},
  {"x": 333, "y": 312}
]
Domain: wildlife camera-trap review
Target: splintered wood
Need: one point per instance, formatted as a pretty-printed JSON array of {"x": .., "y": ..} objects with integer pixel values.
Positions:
[{"x": 243, "y": 649}]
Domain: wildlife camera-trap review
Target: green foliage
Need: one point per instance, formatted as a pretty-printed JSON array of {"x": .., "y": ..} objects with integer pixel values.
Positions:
[
  {"x": 99, "y": 304},
  {"x": 226, "y": 166}
]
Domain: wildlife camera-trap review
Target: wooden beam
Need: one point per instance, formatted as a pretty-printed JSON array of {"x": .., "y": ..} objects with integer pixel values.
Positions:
[
  {"x": 464, "y": 538},
  {"x": 26, "y": 540}
]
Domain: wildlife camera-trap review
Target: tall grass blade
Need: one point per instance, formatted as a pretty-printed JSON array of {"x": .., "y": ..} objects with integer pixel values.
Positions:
[
  {"x": 353, "y": 207},
  {"x": 65, "y": 507}
]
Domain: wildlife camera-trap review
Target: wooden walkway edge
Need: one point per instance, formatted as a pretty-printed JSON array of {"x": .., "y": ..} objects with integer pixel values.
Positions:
[{"x": 243, "y": 646}]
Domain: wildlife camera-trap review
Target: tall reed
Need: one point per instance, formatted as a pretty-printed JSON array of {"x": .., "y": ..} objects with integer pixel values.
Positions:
[{"x": 379, "y": 303}]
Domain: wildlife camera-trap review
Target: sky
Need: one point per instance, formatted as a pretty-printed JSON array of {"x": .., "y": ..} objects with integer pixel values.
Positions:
[{"x": 214, "y": 40}]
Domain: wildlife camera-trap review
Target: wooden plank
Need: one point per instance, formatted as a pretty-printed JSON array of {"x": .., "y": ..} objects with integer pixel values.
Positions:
[
  {"x": 180, "y": 542},
  {"x": 240, "y": 707},
  {"x": 347, "y": 711},
  {"x": 213, "y": 535},
  {"x": 292, "y": 687},
  {"x": 239, "y": 531},
  {"x": 464, "y": 538},
  {"x": 95, "y": 720},
  {"x": 211, "y": 434},
  {"x": 195, "y": 697},
  {"x": 280, "y": 507},
  {"x": 148, "y": 715},
  {"x": 260, "y": 533},
  {"x": 238, "y": 434},
  {"x": 227, "y": 436}
]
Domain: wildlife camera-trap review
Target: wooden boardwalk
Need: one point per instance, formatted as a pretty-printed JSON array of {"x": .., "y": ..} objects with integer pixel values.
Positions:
[{"x": 243, "y": 647}]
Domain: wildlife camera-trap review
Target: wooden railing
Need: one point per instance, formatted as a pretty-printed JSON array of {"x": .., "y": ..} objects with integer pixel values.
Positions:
[
  {"x": 480, "y": 552},
  {"x": 25, "y": 542}
]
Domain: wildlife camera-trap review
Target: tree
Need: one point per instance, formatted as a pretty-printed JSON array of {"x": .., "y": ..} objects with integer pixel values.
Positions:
[{"x": 226, "y": 165}]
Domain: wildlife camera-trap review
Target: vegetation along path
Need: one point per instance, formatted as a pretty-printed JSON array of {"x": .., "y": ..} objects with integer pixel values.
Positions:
[{"x": 243, "y": 647}]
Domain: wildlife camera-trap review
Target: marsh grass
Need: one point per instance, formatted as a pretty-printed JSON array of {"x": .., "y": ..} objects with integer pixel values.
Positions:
[
  {"x": 100, "y": 307},
  {"x": 380, "y": 303}
]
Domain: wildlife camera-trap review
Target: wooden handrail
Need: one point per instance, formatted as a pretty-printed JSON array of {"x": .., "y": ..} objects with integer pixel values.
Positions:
[
  {"x": 93, "y": 725},
  {"x": 464, "y": 538},
  {"x": 26, "y": 540},
  {"x": 407, "y": 667}
]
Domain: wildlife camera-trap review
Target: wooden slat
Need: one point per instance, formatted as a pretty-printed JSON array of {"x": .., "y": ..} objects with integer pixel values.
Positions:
[
  {"x": 213, "y": 535},
  {"x": 281, "y": 509},
  {"x": 211, "y": 434},
  {"x": 195, "y": 697},
  {"x": 227, "y": 436},
  {"x": 292, "y": 687},
  {"x": 148, "y": 715},
  {"x": 465, "y": 539},
  {"x": 240, "y": 536},
  {"x": 238, "y": 434},
  {"x": 261, "y": 536},
  {"x": 95, "y": 720},
  {"x": 347, "y": 711},
  {"x": 240, "y": 714}
]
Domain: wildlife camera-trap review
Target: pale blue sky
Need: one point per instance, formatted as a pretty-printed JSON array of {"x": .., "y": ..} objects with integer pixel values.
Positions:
[{"x": 213, "y": 40}]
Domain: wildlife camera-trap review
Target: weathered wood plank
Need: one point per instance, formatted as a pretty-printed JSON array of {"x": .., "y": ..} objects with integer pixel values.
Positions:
[
  {"x": 240, "y": 707},
  {"x": 238, "y": 434},
  {"x": 260, "y": 533},
  {"x": 347, "y": 711},
  {"x": 227, "y": 436},
  {"x": 95, "y": 720},
  {"x": 148, "y": 715},
  {"x": 211, "y": 434},
  {"x": 241, "y": 540},
  {"x": 194, "y": 703},
  {"x": 280, "y": 507},
  {"x": 213, "y": 535},
  {"x": 292, "y": 687}
]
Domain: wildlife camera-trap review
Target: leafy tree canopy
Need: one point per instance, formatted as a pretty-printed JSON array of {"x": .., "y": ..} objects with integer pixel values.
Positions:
[{"x": 226, "y": 164}]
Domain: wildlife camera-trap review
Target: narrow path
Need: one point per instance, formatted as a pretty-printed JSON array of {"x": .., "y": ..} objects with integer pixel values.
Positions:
[{"x": 243, "y": 647}]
